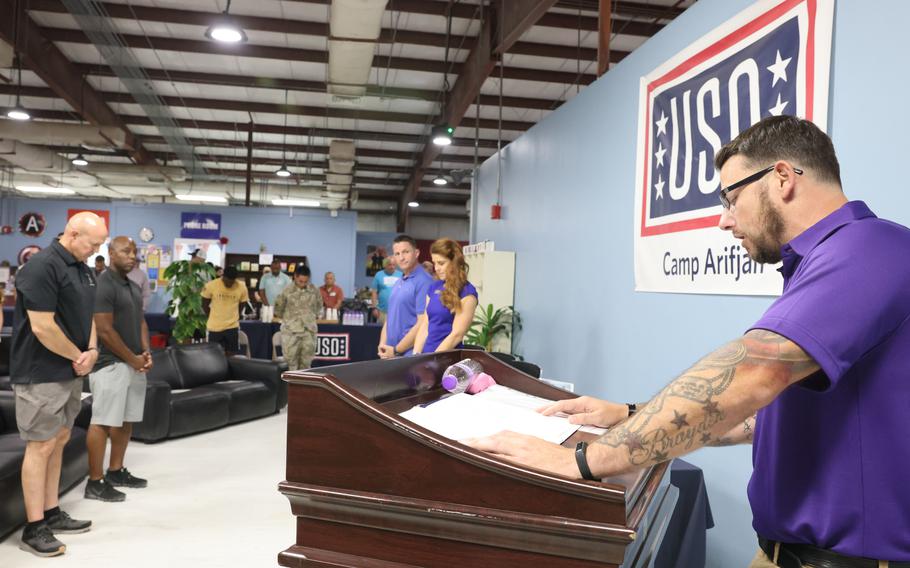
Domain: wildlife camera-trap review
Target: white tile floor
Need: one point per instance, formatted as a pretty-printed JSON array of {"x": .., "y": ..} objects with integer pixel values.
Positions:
[{"x": 212, "y": 500}]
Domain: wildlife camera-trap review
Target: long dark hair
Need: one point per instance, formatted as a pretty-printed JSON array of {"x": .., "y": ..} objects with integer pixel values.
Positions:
[{"x": 456, "y": 275}]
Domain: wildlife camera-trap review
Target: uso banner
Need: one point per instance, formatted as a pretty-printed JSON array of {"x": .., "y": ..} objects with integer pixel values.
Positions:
[{"x": 771, "y": 59}]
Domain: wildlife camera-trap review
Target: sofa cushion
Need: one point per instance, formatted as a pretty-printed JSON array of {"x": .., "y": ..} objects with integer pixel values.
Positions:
[
  {"x": 164, "y": 368},
  {"x": 248, "y": 399},
  {"x": 198, "y": 409},
  {"x": 200, "y": 364}
]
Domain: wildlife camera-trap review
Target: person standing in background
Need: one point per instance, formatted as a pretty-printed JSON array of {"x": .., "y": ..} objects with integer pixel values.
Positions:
[
  {"x": 298, "y": 306},
  {"x": 141, "y": 278},
  {"x": 54, "y": 345},
  {"x": 222, "y": 300},
  {"x": 99, "y": 265},
  {"x": 383, "y": 283},
  {"x": 332, "y": 295},
  {"x": 118, "y": 381},
  {"x": 407, "y": 301},
  {"x": 450, "y": 303},
  {"x": 273, "y": 283}
]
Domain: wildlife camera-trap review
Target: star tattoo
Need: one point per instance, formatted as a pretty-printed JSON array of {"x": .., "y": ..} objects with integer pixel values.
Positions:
[
  {"x": 711, "y": 407},
  {"x": 679, "y": 420},
  {"x": 634, "y": 442}
]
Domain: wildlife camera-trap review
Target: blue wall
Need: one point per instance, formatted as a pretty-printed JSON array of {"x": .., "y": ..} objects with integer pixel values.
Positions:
[
  {"x": 327, "y": 241},
  {"x": 580, "y": 251}
]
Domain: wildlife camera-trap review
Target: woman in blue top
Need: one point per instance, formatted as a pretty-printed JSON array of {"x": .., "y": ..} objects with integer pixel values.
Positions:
[{"x": 451, "y": 301}]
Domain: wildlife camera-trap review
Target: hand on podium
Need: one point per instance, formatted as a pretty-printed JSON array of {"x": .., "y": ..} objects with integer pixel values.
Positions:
[
  {"x": 529, "y": 451},
  {"x": 589, "y": 411}
]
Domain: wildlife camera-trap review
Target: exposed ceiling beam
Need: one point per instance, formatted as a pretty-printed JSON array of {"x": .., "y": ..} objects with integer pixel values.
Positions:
[
  {"x": 298, "y": 27},
  {"x": 314, "y": 55},
  {"x": 477, "y": 67},
  {"x": 314, "y": 86},
  {"x": 466, "y": 11},
  {"x": 280, "y": 109},
  {"x": 623, "y": 8},
  {"x": 49, "y": 63},
  {"x": 238, "y": 127}
]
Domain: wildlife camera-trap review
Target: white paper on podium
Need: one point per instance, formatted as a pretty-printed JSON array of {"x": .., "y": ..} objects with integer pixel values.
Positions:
[{"x": 496, "y": 409}]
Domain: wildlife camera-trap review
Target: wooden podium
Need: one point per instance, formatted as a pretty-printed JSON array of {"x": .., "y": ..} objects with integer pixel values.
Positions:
[{"x": 373, "y": 490}]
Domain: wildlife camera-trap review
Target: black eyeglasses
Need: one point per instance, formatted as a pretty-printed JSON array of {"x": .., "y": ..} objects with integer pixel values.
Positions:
[{"x": 724, "y": 192}]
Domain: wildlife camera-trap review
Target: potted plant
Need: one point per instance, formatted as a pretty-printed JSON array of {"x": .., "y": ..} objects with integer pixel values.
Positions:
[
  {"x": 185, "y": 282},
  {"x": 489, "y": 323}
]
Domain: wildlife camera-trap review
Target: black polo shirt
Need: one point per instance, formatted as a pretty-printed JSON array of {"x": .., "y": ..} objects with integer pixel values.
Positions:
[
  {"x": 51, "y": 281},
  {"x": 121, "y": 297}
]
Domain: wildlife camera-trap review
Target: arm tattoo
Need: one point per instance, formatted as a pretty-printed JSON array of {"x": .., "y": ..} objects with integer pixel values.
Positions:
[{"x": 651, "y": 435}]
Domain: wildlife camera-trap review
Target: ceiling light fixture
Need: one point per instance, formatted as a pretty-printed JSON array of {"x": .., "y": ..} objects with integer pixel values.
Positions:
[
  {"x": 442, "y": 135},
  {"x": 80, "y": 160},
  {"x": 295, "y": 202},
  {"x": 225, "y": 29},
  {"x": 201, "y": 197},
  {"x": 440, "y": 180},
  {"x": 18, "y": 112},
  {"x": 413, "y": 204},
  {"x": 45, "y": 189},
  {"x": 283, "y": 171}
]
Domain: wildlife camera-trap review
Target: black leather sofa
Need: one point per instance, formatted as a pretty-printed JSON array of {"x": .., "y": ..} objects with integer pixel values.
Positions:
[
  {"x": 12, "y": 452},
  {"x": 194, "y": 388}
]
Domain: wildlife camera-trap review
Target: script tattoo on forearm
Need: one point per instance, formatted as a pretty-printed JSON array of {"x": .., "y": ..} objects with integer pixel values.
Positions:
[{"x": 650, "y": 439}]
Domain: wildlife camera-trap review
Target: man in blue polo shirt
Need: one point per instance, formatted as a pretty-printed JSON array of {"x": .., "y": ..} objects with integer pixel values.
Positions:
[
  {"x": 383, "y": 283},
  {"x": 819, "y": 384},
  {"x": 408, "y": 300}
]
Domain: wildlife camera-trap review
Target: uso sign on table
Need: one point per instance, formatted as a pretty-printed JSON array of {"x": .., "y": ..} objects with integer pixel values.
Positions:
[{"x": 771, "y": 59}]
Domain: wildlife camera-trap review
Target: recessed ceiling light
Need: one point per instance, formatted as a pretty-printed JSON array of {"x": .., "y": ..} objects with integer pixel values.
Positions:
[
  {"x": 295, "y": 202},
  {"x": 201, "y": 197},
  {"x": 45, "y": 189}
]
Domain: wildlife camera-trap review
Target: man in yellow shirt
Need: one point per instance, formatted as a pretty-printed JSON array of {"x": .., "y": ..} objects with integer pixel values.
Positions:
[{"x": 221, "y": 300}]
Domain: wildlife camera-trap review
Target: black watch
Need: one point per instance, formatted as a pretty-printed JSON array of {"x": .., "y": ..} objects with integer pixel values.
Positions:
[
  {"x": 633, "y": 408},
  {"x": 581, "y": 459}
]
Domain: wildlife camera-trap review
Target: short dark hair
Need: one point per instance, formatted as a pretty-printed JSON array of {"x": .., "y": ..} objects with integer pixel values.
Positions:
[
  {"x": 302, "y": 270},
  {"x": 787, "y": 138},
  {"x": 99, "y": 257},
  {"x": 405, "y": 239},
  {"x": 230, "y": 272},
  {"x": 275, "y": 261}
]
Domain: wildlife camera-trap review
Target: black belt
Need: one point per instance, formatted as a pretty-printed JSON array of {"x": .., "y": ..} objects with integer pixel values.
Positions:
[{"x": 799, "y": 555}]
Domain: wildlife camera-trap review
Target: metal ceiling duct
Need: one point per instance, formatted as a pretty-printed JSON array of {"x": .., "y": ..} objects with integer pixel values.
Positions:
[
  {"x": 339, "y": 176},
  {"x": 354, "y": 26},
  {"x": 58, "y": 133},
  {"x": 93, "y": 18}
]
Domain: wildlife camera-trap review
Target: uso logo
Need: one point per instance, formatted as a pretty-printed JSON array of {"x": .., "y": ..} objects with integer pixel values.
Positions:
[
  {"x": 693, "y": 107},
  {"x": 333, "y": 346}
]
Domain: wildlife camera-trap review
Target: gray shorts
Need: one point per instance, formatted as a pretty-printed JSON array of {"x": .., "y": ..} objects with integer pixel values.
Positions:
[
  {"x": 118, "y": 395},
  {"x": 42, "y": 409}
]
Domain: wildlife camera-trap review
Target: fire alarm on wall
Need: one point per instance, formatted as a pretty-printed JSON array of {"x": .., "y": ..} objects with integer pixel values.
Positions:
[{"x": 496, "y": 211}]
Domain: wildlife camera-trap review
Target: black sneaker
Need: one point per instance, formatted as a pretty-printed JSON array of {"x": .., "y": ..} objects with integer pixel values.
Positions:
[
  {"x": 41, "y": 542},
  {"x": 103, "y": 491},
  {"x": 63, "y": 523},
  {"x": 123, "y": 478}
]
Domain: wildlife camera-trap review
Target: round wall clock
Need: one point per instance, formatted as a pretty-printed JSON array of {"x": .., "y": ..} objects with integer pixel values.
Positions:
[{"x": 146, "y": 234}]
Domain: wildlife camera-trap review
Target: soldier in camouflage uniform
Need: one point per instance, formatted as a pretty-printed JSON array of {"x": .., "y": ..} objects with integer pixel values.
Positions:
[{"x": 298, "y": 307}]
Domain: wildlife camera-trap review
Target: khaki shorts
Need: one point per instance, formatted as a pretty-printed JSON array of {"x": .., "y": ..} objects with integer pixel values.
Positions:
[
  {"x": 42, "y": 409},
  {"x": 118, "y": 395}
]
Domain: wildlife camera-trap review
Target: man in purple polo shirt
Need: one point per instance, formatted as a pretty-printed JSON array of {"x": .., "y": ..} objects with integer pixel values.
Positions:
[
  {"x": 408, "y": 300},
  {"x": 821, "y": 380}
]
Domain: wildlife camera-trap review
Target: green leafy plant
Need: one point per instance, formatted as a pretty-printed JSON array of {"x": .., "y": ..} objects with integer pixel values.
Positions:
[
  {"x": 488, "y": 323},
  {"x": 185, "y": 282}
]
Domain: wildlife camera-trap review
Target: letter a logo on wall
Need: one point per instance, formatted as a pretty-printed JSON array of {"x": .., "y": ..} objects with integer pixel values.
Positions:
[
  {"x": 771, "y": 59},
  {"x": 32, "y": 224}
]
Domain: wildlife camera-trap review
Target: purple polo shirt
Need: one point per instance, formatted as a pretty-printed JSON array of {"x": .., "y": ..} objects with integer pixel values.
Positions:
[
  {"x": 408, "y": 300},
  {"x": 831, "y": 455}
]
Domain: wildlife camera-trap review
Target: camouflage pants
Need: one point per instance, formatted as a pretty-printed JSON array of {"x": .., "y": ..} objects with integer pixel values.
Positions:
[{"x": 298, "y": 349}]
